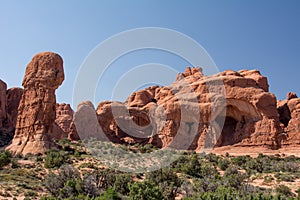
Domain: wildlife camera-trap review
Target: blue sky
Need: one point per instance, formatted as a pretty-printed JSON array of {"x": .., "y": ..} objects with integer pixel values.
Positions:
[{"x": 263, "y": 35}]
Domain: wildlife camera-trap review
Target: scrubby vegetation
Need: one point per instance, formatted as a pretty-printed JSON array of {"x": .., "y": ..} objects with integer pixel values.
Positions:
[
  {"x": 5, "y": 158},
  {"x": 72, "y": 173}
]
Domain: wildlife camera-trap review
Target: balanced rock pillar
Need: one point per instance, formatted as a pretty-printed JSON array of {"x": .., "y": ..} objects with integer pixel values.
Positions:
[{"x": 37, "y": 108}]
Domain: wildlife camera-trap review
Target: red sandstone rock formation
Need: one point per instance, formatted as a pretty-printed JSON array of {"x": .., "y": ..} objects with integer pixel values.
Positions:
[
  {"x": 63, "y": 121},
  {"x": 196, "y": 111},
  {"x": 191, "y": 112},
  {"x": 289, "y": 111},
  {"x": 13, "y": 100},
  {"x": 3, "y": 103},
  {"x": 9, "y": 101},
  {"x": 73, "y": 134},
  {"x": 86, "y": 122},
  {"x": 291, "y": 95},
  {"x": 252, "y": 108},
  {"x": 36, "y": 112}
]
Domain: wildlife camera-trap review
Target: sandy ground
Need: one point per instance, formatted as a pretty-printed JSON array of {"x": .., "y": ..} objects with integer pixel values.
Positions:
[{"x": 255, "y": 151}]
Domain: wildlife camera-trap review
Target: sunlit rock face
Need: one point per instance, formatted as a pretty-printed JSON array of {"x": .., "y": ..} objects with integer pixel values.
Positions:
[
  {"x": 197, "y": 111},
  {"x": 37, "y": 109},
  {"x": 289, "y": 111}
]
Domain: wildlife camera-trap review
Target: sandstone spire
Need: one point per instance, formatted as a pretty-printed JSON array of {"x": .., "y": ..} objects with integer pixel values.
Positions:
[{"x": 36, "y": 112}]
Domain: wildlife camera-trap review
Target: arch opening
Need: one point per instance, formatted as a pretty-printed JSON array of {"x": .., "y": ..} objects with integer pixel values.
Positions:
[
  {"x": 239, "y": 120},
  {"x": 228, "y": 131}
]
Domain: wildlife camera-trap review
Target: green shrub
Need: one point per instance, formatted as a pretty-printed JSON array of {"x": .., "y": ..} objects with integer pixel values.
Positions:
[
  {"x": 167, "y": 180},
  {"x": 298, "y": 193},
  {"x": 30, "y": 193},
  {"x": 110, "y": 194},
  {"x": 77, "y": 154},
  {"x": 205, "y": 185},
  {"x": 290, "y": 167},
  {"x": 208, "y": 170},
  {"x": 5, "y": 158},
  {"x": 14, "y": 163},
  {"x": 19, "y": 155},
  {"x": 87, "y": 165},
  {"x": 148, "y": 148},
  {"x": 72, "y": 188},
  {"x": 53, "y": 184},
  {"x": 144, "y": 190},
  {"x": 90, "y": 185},
  {"x": 233, "y": 178},
  {"x": 53, "y": 159},
  {"x": 223, "y": 164},
  {"x": 66, "y": 184},
  {"x": 28, "y": 156},
  {"x": 39, "y": 159},
  {"x": 268, "y": 179},
  {"x": 284, "y": 190},
  {"x": 284, "y": 177},
  {"x": 122, "y": 183},
  {"x": 240, "y": 160},
  {"x": 48, "y": 198},
  {"x": 192, "y": 167},
  {"x": 213, "y": 158},
  {"x": 107, "y": 177}
]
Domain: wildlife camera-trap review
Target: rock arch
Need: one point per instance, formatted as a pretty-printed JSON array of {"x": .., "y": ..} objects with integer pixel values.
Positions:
[{"x": 240, "y": 117}]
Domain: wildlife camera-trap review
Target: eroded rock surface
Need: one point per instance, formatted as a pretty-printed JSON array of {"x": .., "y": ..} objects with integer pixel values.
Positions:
[
  {"x": 289, "y": 111},
  {"x": 14, "y": 96},
  {"x": 191, "y": 112},
  {"x": 86, "y": 122},
  {"x": 3, "y": 103},
  {"x": 195, "y": 112},
  {"x": 63, "y": 121},
  {"x": 37, "y": 109}
]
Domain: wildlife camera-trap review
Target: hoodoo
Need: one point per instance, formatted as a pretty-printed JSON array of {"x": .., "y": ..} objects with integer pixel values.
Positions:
[{"x": 37, "y": 108}]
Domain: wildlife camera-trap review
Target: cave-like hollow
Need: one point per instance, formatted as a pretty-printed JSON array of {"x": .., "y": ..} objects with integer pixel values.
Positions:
[
  {"x": 228, "y": 131},
  {"x": 231, "y": 124}
]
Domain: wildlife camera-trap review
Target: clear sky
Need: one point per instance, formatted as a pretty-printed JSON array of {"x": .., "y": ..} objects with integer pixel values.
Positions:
[{"x": 238, "y": 34}]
